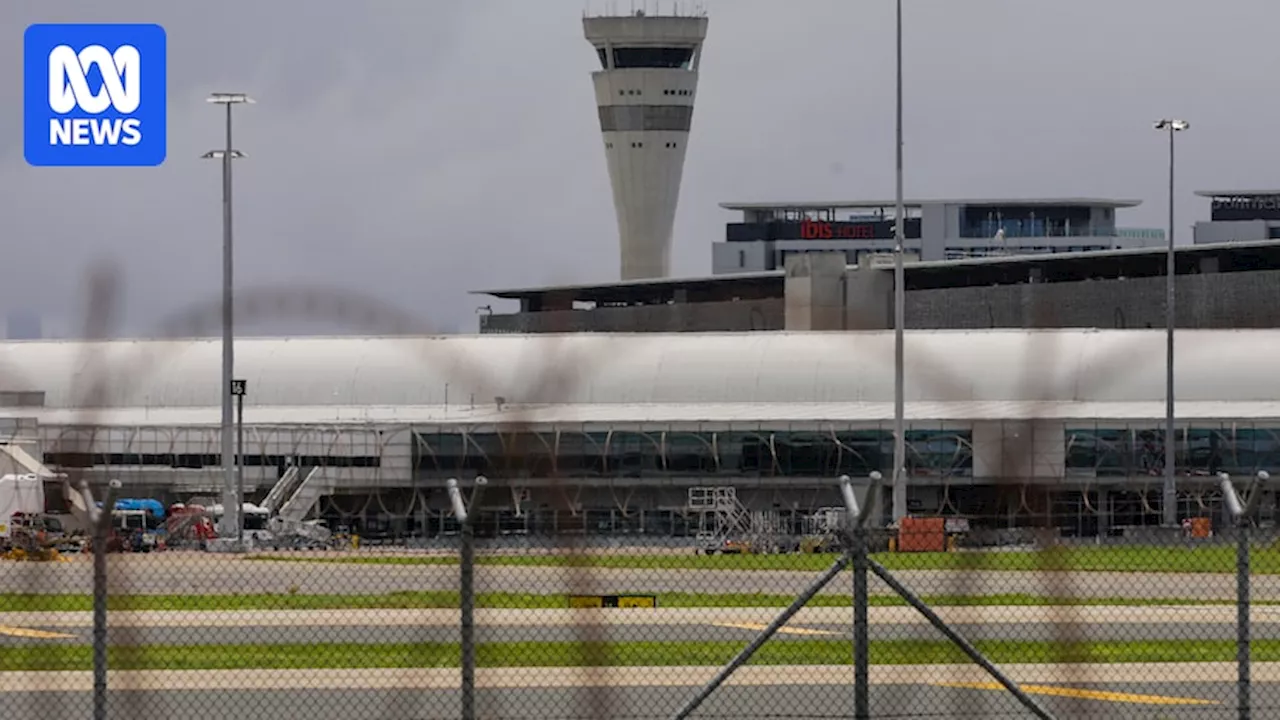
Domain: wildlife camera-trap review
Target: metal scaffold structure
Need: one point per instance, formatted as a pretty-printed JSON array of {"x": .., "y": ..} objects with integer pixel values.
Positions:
[{"x": 726, "y": 525}]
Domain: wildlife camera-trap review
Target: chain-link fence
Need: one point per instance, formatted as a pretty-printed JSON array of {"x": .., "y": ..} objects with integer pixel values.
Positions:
[{"x": 602, "y": 567}]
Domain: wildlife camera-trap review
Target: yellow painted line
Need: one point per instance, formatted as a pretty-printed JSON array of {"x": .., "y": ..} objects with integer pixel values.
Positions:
[
  {"x": 32, "y": 633},
  {"x": 1103, "y": 695},
  {"x": 783, "y": 630}
]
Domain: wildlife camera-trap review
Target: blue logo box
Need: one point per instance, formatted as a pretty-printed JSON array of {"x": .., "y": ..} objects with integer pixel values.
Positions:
[{"x": 94, "y": 95}]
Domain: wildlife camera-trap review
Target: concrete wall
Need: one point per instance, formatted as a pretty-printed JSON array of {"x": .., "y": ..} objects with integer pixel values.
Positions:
[
  {"x": 815, "y": 291},
  {"x": 1210, "y": 300},
  {"x": 1207, "y": 231},
  {"x": 1230, "y": 300},
  {"x": 729, "y": 257}
]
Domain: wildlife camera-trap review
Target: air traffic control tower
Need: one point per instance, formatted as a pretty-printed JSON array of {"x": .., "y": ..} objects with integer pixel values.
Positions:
[{"x": 645, "y": 91}]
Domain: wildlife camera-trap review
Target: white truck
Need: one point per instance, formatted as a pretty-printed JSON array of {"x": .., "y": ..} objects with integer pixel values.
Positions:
[{"x": 19, "y": 494}]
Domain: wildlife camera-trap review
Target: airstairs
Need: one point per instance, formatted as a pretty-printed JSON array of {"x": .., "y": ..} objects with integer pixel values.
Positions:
[
  {"x": 281, "y": 490},
  {"x": 725, "y": 524},
  {"x": 295, "y": 500},
  {"x": 23, "y": 461}
]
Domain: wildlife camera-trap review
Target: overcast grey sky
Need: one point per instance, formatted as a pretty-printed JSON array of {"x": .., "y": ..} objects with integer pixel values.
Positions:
[{"x": 419, "y": 149}]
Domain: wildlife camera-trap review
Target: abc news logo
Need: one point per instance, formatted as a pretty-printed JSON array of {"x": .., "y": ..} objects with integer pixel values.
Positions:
[
  {"x": 69, "y": 90},
  {"x": 94, "y": 95}
]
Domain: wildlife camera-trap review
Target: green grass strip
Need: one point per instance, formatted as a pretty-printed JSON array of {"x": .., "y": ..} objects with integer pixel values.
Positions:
[
  {"x": 428, "y": 600},
  {"x": 565, "y": 654},
  {"x": 1120, "y": 559}
]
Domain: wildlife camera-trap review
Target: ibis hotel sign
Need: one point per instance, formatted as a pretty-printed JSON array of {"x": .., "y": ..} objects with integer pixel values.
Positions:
[
  {"x": 1245, "y": 207},
  {"x": 820, "y": 230}
]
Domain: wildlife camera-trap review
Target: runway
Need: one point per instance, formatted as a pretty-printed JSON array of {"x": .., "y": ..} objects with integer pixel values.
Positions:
[
  {"x": 188, "y": 573},
  {"x": 1028, "y": 623},
  {"x": 1182, "y": 691}
]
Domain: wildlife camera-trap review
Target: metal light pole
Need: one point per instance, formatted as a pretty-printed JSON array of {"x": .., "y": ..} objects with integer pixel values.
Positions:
[
  {"x": 1169, "y": 504},
  {"x": 231, "y": 501},
  {"x": 238, "y": 389},
  {"x": 899, "y": 311}
]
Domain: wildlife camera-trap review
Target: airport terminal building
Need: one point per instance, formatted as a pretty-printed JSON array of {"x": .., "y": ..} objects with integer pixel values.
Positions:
[{"x": 606, "y": 434}]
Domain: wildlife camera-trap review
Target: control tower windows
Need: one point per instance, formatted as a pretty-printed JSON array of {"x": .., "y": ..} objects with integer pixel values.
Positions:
[
  {"x": 652, "y": 57},
  {"x": 644, "y": 118}
]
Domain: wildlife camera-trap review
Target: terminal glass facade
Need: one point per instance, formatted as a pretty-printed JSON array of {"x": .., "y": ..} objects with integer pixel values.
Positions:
[
  {"x": 571, "y": 453},
  {"x": 1089, "y": 451},
  {"x": 1236, "y": 449}
]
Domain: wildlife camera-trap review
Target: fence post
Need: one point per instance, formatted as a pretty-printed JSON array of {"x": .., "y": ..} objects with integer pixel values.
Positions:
[
  {"x": 1243, "y": 653},
  {"x": 99, "y": 524},
  {"x": 861, "y": 636},
  {"x": 466, "y": 601},
  {"x": 1242, "y": 513},
  {"x": 861, "y": 599}
]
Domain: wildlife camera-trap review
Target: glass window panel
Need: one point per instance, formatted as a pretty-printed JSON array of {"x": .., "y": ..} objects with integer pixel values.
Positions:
[
  {"x": 580, "y": 454},
  {"x": 526, "y": 454},
  {"x": 938, "y": 453},
  {"x": 450, "y": 450},
  {"x": 633, "y": 454},
  {"x": 690, "y": 453},
  {"x": 1147, "y": 452},
  {"x": 1257, "y": 448},
  {"x": 809, "y": 454},
  {"x": 424, "y": 459},
  {"x": 1266, "y": 449},
  {"x": 744, "y": 453},
  {"x": 862, "y": 451},
  {"x": 1203, "y": 451},
  {"x": 1100, "y": 451}
]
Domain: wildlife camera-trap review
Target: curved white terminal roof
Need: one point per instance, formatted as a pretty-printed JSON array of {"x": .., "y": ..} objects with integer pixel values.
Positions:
[{"x": 596, "y": 377}]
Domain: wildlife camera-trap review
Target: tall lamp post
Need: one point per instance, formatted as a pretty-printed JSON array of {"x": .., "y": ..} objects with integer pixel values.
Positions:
[
  {"x": 899, "y": 310},
  {"x": 1169, "y": 504},
  {"x": 231, "y": 500},
  {"x": 238, "y": 390}
]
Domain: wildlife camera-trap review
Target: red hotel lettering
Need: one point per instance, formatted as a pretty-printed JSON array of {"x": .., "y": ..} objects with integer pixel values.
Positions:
[
  {"x": 816, "y": 230},
  {"x": 810, "y": 230}
]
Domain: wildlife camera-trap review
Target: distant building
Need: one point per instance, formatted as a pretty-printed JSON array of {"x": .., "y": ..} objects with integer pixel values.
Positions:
[
  {"x": 23, "y": 325},
  {"x": 1239, "y": 216},
  {"x": 644, "y": 95},
  {"x": 770, "y": 232}
]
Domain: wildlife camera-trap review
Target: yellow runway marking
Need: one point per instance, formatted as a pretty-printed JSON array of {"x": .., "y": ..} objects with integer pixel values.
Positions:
[
  {"x": 781, "y": 631},
  {"x": 33, "y": 634},
  {"x": 1103, "y": 695}
]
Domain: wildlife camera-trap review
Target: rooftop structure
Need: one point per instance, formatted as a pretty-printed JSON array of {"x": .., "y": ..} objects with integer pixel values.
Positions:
[
  {"x": 811, "y": 205},
  {"x": 645, "y": 93},
  {"x": 939, "y": 229},
  {"x": 1239, "y": 216},
  {"x": 1223, "y": 286},
  {"x": 641, "y": 377}
]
